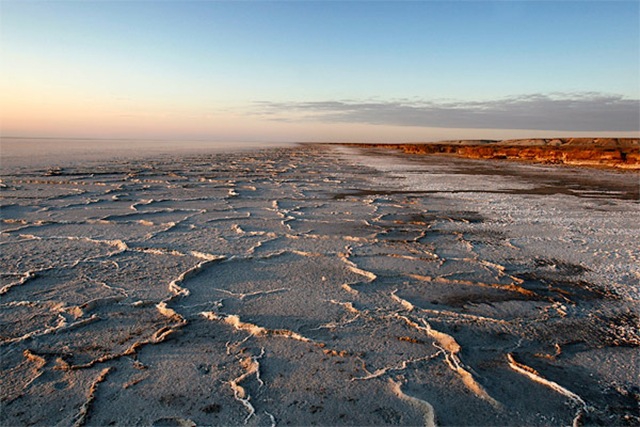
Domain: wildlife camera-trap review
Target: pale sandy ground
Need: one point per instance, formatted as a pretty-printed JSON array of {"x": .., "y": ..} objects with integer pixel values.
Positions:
[{"x": 319, "y": 286}]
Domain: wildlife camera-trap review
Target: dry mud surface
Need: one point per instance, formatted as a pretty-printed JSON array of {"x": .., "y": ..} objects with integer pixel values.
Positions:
[{"x": 319, "y": 285}]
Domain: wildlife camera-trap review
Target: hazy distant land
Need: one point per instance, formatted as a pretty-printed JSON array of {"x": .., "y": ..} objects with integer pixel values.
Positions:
[
  {"x": 622, "y": 153},
  {"x": 318, "y": 285}
]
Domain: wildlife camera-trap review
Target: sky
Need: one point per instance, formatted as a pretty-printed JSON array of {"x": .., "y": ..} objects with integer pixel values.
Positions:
[{"x": 319, "y": 70}]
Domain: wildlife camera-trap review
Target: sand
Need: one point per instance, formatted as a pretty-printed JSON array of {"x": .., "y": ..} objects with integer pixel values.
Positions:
[{"x": 318, "y": 285}]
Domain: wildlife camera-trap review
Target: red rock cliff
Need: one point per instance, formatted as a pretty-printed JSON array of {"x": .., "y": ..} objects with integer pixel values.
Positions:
[{"x": 621, "y": 153}]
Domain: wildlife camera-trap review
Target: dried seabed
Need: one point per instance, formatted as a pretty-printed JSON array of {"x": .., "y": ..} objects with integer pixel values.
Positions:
[{"x": 312, "y": 286}]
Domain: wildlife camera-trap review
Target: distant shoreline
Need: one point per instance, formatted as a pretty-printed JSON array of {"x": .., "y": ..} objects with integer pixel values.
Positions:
[{"x": 618, "y": 153}]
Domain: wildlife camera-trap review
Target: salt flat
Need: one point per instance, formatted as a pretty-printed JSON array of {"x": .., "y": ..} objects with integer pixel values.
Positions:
[{"x": 320, "y": 285}]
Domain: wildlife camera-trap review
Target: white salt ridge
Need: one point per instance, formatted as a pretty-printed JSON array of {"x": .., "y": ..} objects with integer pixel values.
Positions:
[
  {"x": 80, "y": 418},
  {"x": 535, "y": 376},
  {"x": 426, "y": 407},
  {"x": 251, "y": 367},
  {"x": 254, "y": 329}
]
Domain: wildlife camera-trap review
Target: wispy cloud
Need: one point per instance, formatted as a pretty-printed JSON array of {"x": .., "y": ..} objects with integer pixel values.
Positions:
[{"x": 585, "y": 111}]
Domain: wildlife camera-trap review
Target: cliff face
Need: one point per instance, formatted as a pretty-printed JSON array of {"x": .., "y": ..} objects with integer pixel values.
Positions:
[{"x": 623, "y": 153}]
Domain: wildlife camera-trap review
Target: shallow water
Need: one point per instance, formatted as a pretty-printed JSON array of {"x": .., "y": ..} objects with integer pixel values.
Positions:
[{"x": 318, "y": 285}]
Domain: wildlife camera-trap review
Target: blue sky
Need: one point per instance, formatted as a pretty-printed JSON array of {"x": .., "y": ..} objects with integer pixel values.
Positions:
[{"x": 320, "y": 70}]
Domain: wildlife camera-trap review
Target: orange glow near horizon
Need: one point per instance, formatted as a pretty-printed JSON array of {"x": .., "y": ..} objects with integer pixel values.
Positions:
[{"x": 28, "y": 112}]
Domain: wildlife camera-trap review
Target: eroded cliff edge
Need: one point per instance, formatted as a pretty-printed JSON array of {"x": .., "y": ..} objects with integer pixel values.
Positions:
[{"x": 621, "y": 153}]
